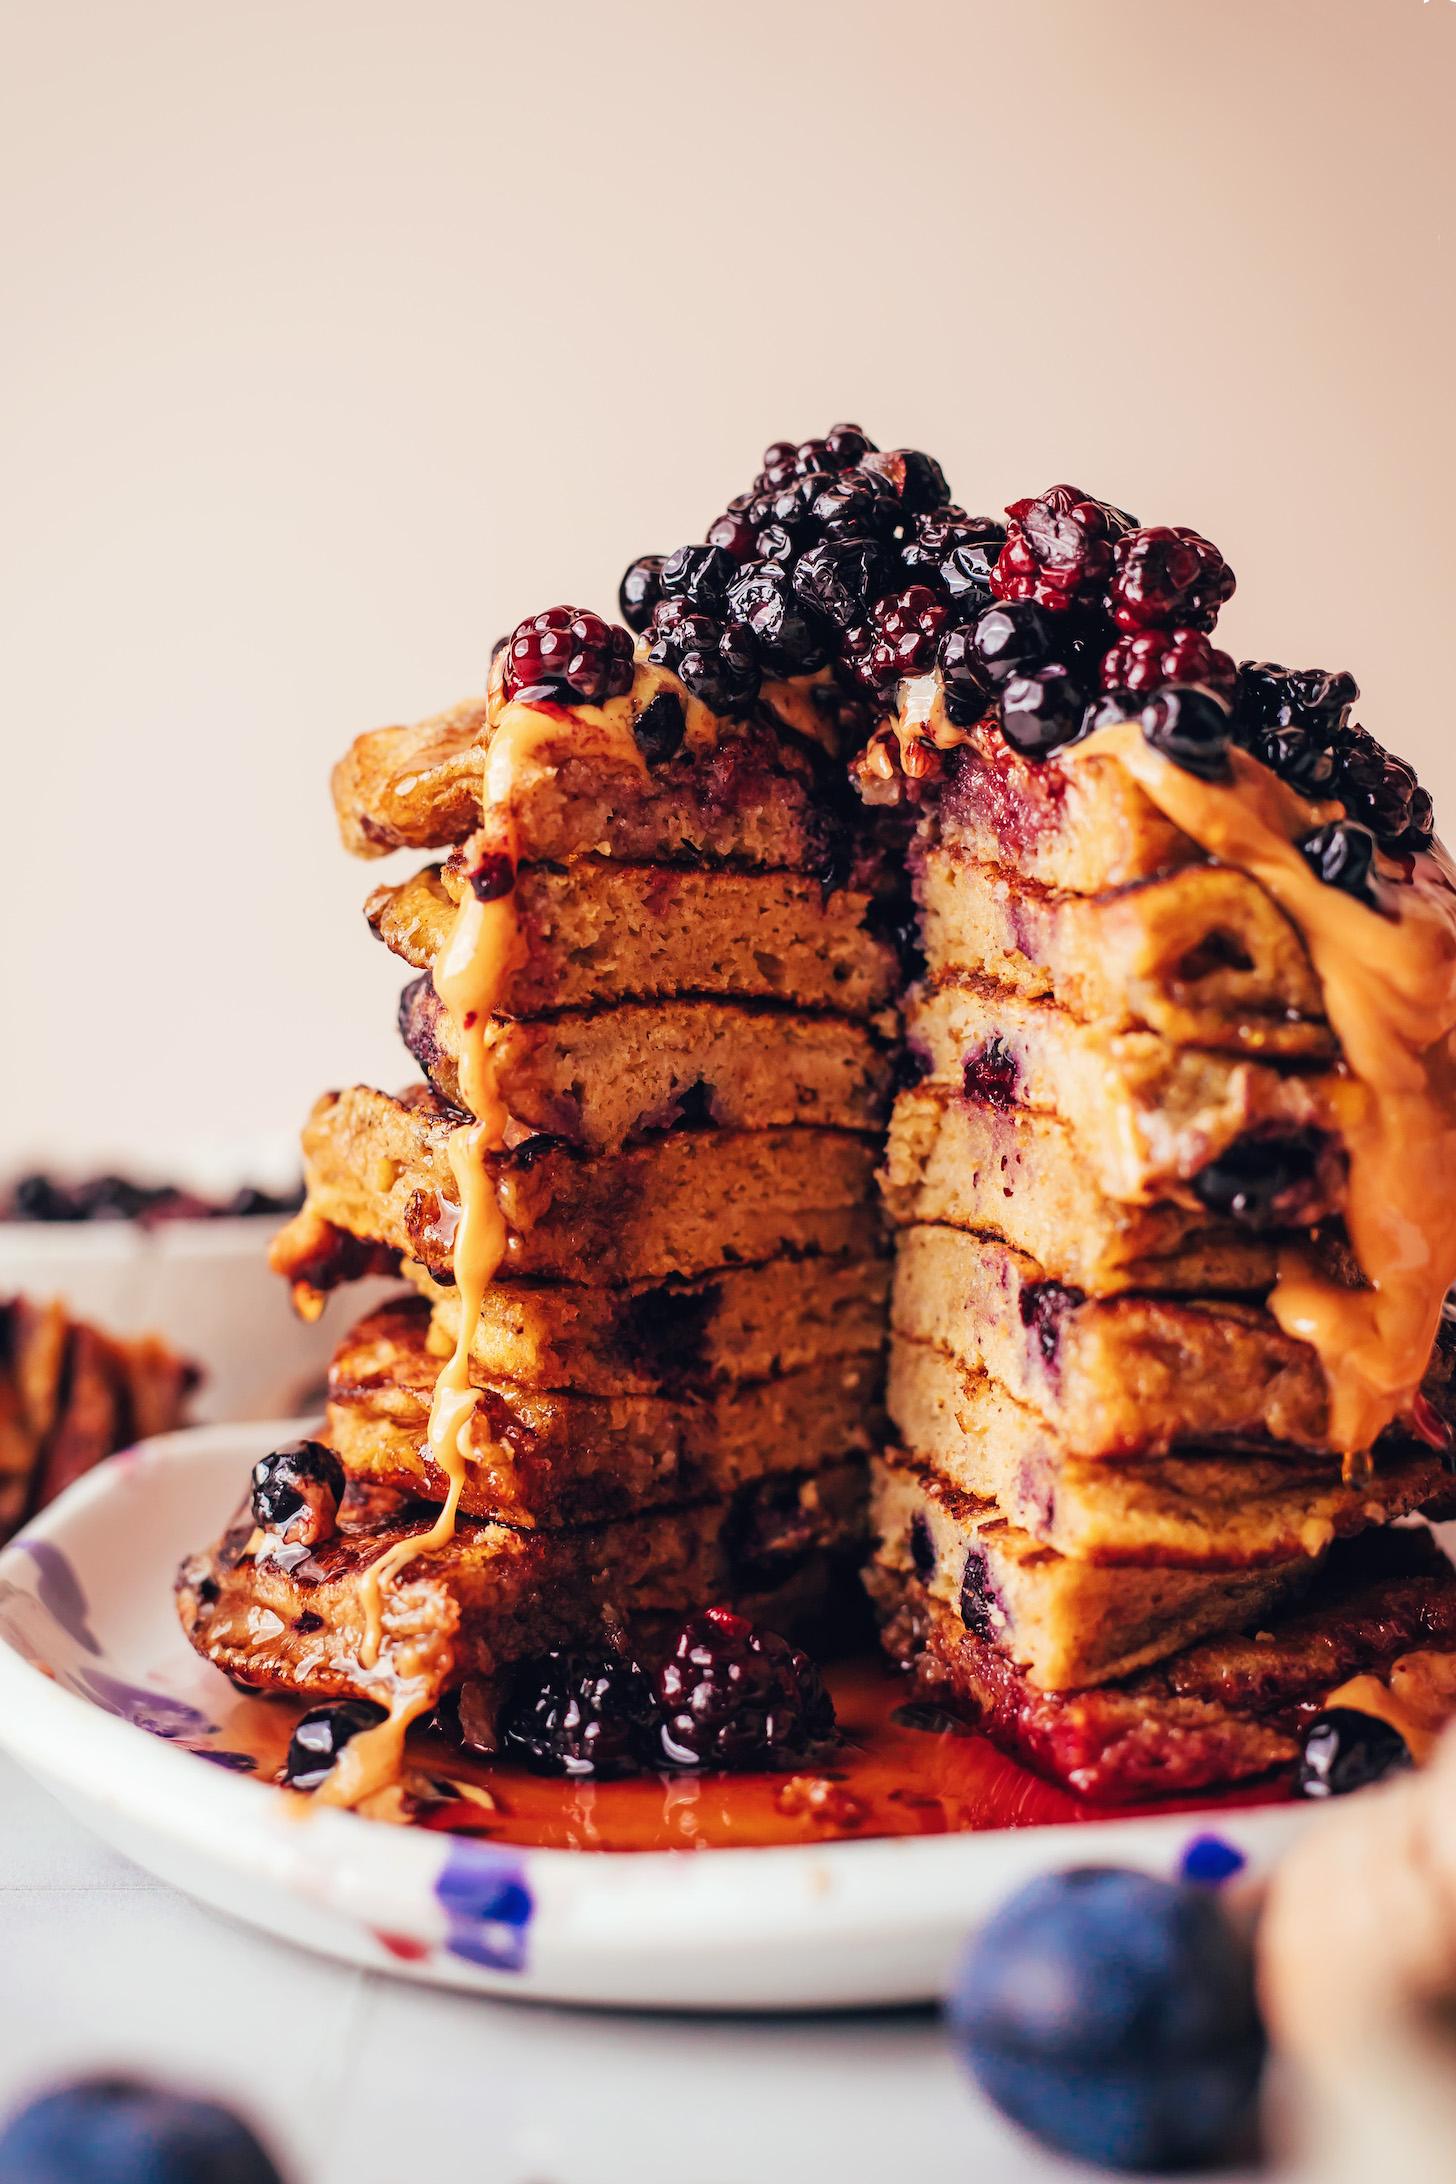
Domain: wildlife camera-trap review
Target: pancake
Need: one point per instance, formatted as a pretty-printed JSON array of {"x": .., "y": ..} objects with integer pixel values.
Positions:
[
  {"x": 601, "y": 930},
  {"x": 541, "y": 1457},
  {"x": 297, "y": 1622},
  {"x": 1226, "y": 1710},
  {"x": 1201, "y": 956},
  {"x": 1021, "y": 1176},
  {"x": 378, "y": 1175},
  {"x": 602, "y": 1078}
]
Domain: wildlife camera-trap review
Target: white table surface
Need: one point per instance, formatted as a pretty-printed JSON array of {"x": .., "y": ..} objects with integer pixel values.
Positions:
[{"x": 360, "y": 2079}]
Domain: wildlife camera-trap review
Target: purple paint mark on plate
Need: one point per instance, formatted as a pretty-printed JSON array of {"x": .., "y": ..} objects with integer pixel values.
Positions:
[
  {"x": 1210, "y": 1860},
  {"x": 155, "y": 1711},
  {"x": 58, "y": 1590},
  {"x": 487, "y": 1905}
]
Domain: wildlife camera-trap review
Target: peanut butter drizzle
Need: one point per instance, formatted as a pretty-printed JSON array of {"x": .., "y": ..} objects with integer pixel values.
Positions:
[
  {"x": 471, "y": 973},
  {"x": 1388, "y": 977}
]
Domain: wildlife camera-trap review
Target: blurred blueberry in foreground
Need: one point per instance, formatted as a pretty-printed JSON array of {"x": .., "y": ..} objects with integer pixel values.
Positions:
[
  {"x": 1112, "y": 2016},
  {"x": 113, "y": 2131},
  {"x": 1208, "y": 1858}
]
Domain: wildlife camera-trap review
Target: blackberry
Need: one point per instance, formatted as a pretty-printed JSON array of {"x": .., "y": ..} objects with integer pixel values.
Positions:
[
  {"x": 1343, "y": 855},
  {"x": 900, "y": 637},
  {"x": 954, "y": 553},
  {"x": 581, "y": 1714},
  {"x": 1165, "y": 577},
  {"x": 736, "y": 1697},
  {"x": 1013, "y": 639},
  {"x": 700, "y": 575},
  {"x": 639, "y": 591},
  {"x": 568, "y": 652},
  {"x": 1191, "y": 726},
  {"x": 1042, "y": 711},
  {"x": 321, "y": 1736},
  {"x": 965, "y": 682},
  {"x": 1375, "y": 788},
  {"x": 792, "y": 639},
  {"x": 1344, "y": 1750},
  {"x": 1058, "y": 550},
  {"x": 1270, "y": 696},
  {"x": 917, "y": 479},
  {"x": 1150, "y": 658},
  {"x": 840, "y": 578},
  {"x": 719, "y": 666},
  {"x": 297, "y": 1491}
]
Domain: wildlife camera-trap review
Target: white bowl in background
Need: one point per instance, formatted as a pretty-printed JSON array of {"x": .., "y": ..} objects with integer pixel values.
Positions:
[{"x": 205, "y": 1286}]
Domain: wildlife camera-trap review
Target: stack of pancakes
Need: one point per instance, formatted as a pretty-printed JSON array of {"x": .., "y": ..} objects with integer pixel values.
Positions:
[
  {"x": 1108, "y": 1454},
  {"x": 678, "y": 1364}
]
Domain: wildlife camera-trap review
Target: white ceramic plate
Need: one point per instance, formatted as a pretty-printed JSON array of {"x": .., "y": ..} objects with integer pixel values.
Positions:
[{"x": 103, "y": 1700}]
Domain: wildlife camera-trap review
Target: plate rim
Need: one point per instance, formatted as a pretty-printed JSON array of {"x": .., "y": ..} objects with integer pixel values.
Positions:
[{"x": 382, "y": 1876}]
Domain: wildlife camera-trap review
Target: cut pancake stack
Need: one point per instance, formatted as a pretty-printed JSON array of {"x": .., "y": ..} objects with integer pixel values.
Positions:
[
  {"x": 1108, "y": 1454},
  {"x": 674, "y": 1374}
]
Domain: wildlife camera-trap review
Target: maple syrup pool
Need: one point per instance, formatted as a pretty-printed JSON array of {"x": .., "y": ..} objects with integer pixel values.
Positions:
[{"x": 903, "y": 1768}]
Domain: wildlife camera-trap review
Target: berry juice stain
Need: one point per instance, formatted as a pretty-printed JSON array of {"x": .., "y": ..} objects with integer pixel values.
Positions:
[{"x": 901, "y": 1768}]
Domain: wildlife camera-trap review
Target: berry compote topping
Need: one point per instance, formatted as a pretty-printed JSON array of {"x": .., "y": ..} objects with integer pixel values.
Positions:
[
  {"x": 658, "y": 729},
  {"x": 917, "y": 479},
  {"x": 1262, "y": 1181},
  {"x": 1296, "y": 721},
  {"x": 1014, "y": 639},
  {"x": 964, "y": 678},
  {"x": 719, "y": 666},
  {"x": 900, "y": 637},
  {"x": 700, "y": 575},
  {"x": 1343, "y": 1750},
  {"x": 1042, "y": 711},
  {"x": 296, "y": 1492},
  {"x": 321, "y": 1736},
  {"x": 582, "y": 1714},
  {"x": 954, "y": 554},
  {"x": 1151, "y": 658},
  {"x": 857, "y": 504},
  {"x": 568, "y": 653},
  {"x": 1190, "y": 725},
  {"x": 840, "y": 577},
  {"x": 736, "y": 1697},
  {"x": 1343, "y": 855},
  {"x": 640, "y": 590},
  {"x": 1166, "y": 577},
  {"x": 1058, "y": 549},
  {"x": 792, "y": 638}
]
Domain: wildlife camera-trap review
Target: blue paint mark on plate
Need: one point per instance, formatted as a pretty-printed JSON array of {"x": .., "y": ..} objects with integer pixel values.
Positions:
[
  {"x": 487, "y": 1905},
  {"x": 155, "y": 1711},
  {"x": 58, "y": 1590},
  {"x": 1209, "y": 1859}
]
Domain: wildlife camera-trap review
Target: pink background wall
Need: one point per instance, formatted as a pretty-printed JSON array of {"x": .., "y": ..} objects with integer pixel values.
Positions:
[{"x": 339, "y": 336}]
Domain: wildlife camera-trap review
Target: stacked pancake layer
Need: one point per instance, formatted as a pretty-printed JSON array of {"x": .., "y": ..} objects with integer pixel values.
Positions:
[
  {"x": 1107, "y": 1450},
  {"x": 673, "y": 1378}
]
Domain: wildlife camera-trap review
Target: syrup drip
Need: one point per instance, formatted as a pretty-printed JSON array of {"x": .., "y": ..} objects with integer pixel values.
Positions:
[
  {"x": 471, "y": 973},
  {"x": 1388, "y": 976}
]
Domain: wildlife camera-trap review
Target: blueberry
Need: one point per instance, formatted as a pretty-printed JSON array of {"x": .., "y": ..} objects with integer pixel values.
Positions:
[
  {"x": 1190, "y": 725},
  {"x": 1042, "y": 711},
  {"x": 1342, "y": 854},
  {"x": 1343, "y": 1750},
  {"x": 321, "y": 1736},
  {"x": 297, "y": 1490},
  {"x": 1113, "y": 2016},
  {"x": 1013, "y": 638},
  {"x": 1261, "y": 1179},
  {"x": 113, "y": 2131}
]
